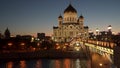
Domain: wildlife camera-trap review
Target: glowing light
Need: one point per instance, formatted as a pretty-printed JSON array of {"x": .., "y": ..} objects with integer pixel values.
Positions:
[
  {"x": 66, "y": 43},
  {"x": 57, "y": 44},
  {"x": 38, "y": 39},
  {"x": 97, "y": 30},
  {"x": 77, "y": 44},
  {"x": 32, "y": 39},
  {"x": 58, "y": 47},
  {"x": 34, "y": 49},
  {"x": 64, "y": 47},
  {"x": 45, "y": 48},
  {"x": 10, "y": 44},
  {"x": 38, "y": 44},
  {"x": 23, "y": 64},
  {"x": 109, "y": 27},
  {"x": 77, "y": 48},
  {"x": 112, "y": 51},
  {"x": 9, "y": 65},
  {"x": 97, "y": 42},
  {"x": 22, "y": 44},
  {"x": 101, "y": 64}
]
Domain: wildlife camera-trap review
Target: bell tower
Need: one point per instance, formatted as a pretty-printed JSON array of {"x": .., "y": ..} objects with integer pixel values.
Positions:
[
  {"x": 60, "y": 20},
  {"x": 81, "y": 21}
]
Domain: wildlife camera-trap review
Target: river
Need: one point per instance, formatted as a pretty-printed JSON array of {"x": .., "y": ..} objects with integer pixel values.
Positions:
[{"x": 46, "y": 63}]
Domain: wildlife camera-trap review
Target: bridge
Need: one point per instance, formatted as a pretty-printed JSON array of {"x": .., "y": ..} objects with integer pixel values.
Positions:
[
  {"x": 93, "y": 46},
  {"x": 103, "y": 48}
]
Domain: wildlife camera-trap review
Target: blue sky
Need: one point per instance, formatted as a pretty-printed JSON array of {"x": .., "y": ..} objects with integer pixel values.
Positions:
[{"x": 32, "y": 16}]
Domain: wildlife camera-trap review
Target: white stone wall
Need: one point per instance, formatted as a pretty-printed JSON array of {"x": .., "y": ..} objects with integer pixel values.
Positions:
[{"x": 70, "y": 17}]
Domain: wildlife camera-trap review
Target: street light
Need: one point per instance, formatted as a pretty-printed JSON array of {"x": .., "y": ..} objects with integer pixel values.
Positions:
[
  {"x": 100, "y": 64},
  {"x": 109, "y": 28},
  {"x": 97, "y": 31}
]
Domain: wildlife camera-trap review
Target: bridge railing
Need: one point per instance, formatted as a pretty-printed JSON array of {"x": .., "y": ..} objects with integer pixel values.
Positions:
[
  {"x": 102, "y": 43},
  {"x": 100, "y": 48}
]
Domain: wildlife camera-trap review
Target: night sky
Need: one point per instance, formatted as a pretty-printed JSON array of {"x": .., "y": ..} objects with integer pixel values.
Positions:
[{"x": 28, "y": 17}]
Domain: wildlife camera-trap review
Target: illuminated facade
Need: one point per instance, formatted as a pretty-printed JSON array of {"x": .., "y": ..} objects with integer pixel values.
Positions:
[{"x": 70, "y": 26}]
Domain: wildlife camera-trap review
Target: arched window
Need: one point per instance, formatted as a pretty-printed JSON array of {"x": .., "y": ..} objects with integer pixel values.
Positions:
[
  {"x": 73, "y": 19},
  {"x": 68, "y": 19}
]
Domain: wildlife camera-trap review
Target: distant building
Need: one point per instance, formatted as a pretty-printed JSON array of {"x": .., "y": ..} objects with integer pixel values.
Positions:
[
  {"x": 0, "y": 35},
  {"x": 27, "y": 37},
  {"x": 91, "y": 35},
  {"x": 7, "y": 34},
  {"x": 102, "y": 35},
  {"x": 47, "y": 38},
  {"x": 105, "y": 36},
  {"x": 41, "y": 36},
  {"x": 70, "y": 25}
]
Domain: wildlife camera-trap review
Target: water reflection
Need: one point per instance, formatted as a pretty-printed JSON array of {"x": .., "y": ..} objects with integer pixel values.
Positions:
[
  {"x": 77, "y": 62},
  {"x": 57, "y": 64},
  {"x": 67, "y": 63},
  {"x": 22, "y": 64},
  {"x": 9, "y": 65},
  {"x": 46, "y": 63},
  {"x": 38, "y": 64}
]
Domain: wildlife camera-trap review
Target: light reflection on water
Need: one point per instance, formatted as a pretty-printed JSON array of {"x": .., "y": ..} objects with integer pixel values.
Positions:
[
  {"x": 46, "y": 63},
  {"x": 9, "y": 65},
  {"x": 22, "y": 64}
]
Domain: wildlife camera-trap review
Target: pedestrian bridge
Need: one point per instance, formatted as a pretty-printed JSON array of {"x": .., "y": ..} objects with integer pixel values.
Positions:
[{"x": 103, "y": 48}]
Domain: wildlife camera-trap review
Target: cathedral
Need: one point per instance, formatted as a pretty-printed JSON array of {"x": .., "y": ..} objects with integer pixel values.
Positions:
[{"x": 70, "y": 26}]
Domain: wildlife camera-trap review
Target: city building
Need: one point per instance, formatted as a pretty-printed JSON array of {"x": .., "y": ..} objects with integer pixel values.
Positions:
[
  {"x": 102, "y": 35},
  {"x": 70, "y": 26},
  {"x": 7, "y": 34},
  {"x": 0, "y": 35},
  {"x": 41, "y": 36}
]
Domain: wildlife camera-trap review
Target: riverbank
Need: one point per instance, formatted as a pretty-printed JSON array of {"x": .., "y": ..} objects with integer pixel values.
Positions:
[{"x": 49, "y": 54}]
